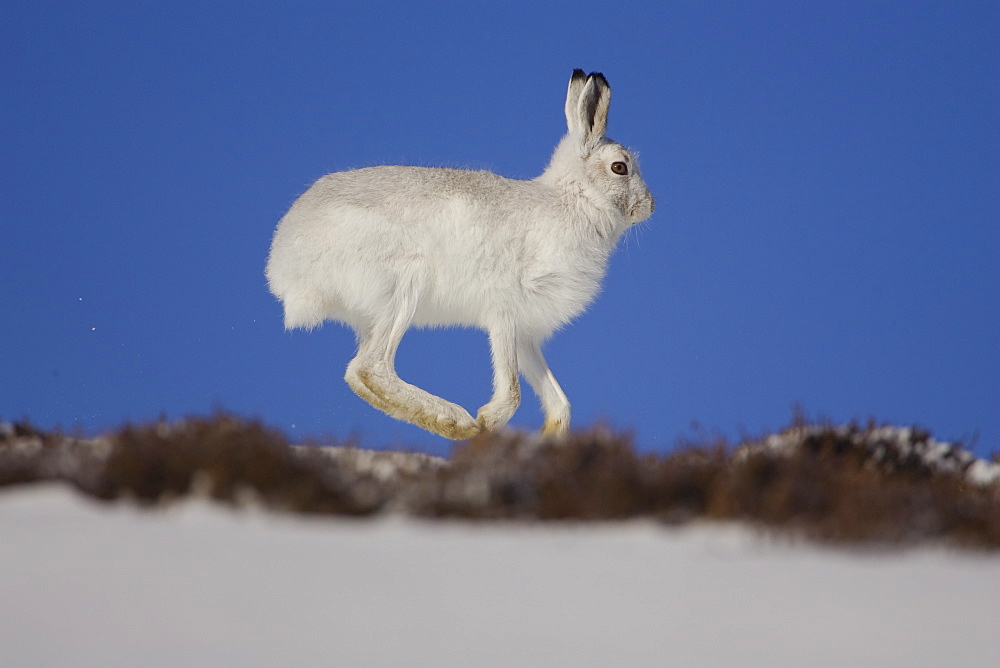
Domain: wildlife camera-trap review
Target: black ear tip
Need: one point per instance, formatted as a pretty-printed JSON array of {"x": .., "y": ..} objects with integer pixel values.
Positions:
[
  {"x": 599, "y": 77},
  {"x": 578, "y": 74}
]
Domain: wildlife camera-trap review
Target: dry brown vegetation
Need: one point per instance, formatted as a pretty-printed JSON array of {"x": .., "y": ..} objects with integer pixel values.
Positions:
[{"x": 858, "y": 485}]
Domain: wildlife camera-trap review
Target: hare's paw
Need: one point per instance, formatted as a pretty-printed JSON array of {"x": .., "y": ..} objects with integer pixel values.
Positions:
[
  {"x": 556, "y": 428},
  {"x": 493, "y": 417},
  {"x": 450, "y": 421},
  {"x": 501, "y": 408}
]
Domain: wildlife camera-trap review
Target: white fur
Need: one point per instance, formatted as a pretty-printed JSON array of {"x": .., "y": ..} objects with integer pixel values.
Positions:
[{"x": 382, "y": 249}]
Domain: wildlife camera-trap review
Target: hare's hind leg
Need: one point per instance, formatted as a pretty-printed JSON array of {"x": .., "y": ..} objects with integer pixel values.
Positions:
[
  {"x": 554, "y": 401},
  {"x": 372, "y": 376},
  {"x": 506, "y": 386}
]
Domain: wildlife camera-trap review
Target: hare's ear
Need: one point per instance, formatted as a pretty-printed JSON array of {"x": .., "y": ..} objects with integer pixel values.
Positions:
[
  {"x": 591, "y": 114},
  {"x": 573, "y": 121}
]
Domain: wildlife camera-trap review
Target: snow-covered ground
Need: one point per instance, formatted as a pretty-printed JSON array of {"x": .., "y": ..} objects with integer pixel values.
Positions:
[{"x": 84, "y": 584}]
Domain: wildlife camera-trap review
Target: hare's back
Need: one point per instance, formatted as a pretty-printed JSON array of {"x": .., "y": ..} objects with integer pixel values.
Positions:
[
  {"x": 379, "y": 221},
  {"x": 401, "y": 189},
  {"x": 429, "y": 210}
]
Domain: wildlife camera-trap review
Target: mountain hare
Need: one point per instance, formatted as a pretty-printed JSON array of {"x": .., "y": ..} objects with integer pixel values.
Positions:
[{"x": 382, "y": 249}]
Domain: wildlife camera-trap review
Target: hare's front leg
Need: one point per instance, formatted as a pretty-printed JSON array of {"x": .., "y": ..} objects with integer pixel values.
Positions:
[
  {"x": 506, "y": 386},
  {"x": 372, "y": 376},
  {"x": 554, "y": 401}
]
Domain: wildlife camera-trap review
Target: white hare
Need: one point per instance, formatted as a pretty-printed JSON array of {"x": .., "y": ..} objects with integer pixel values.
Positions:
[{"x": 382, "y": 249}]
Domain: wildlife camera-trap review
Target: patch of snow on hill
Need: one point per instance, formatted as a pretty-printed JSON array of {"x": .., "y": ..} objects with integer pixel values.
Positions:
[{"x": 890, "y": 447}]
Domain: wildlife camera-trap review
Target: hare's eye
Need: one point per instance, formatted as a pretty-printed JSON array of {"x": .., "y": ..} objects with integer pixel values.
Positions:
[{"x": 619, "y": 168}]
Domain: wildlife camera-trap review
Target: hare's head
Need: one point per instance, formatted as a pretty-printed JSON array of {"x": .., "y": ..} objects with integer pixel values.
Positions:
[{"x": 604, "y": 168}]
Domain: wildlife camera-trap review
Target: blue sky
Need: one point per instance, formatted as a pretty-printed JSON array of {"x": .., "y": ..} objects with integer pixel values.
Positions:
[{"x": 827, "y": 178}]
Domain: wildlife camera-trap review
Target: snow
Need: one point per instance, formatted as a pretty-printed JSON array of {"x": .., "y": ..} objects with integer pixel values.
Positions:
[
  {"x": 982, "y": 472},
  {"x": 87, "y": 584}
]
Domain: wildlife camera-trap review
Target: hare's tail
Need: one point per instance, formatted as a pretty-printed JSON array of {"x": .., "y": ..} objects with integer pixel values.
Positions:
[{"x": 306, "y": 311}]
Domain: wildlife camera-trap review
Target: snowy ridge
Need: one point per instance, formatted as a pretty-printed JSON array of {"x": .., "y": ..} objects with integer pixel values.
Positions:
[
  {"x": 849, "y": 485},
  {"x": 890, "y": 448}
]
